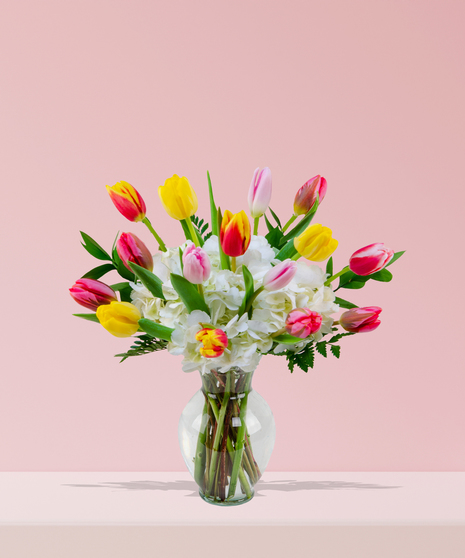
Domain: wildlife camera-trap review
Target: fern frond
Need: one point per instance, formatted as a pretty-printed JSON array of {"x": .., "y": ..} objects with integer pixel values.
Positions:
[{"x": 145, "y": 344}]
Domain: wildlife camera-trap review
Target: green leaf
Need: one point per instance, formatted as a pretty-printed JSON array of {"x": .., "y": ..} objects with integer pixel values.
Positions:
[
  {"x": 180, "y": 260},
  {"x": 384, "y": 275},
  {"x": 143, "y": 345},
  {"x": 349, "y": 280},
  {"x": 149, "y": 280},
  {"x": 396, "y": 256},
  {"x": 224, "y": 259},
  {"x": 185, "y": 228},
  {"x": 287, "y": 339},
  {"x": 90, "y": 317},
  {"x": 125, "y": 294},
  {"x": 354, "y": 285},
  {"x": 99, "y": 271},
  {"x": 287, "y": 252},
  {"x": 344, "y": 303},
  {"x": 156, "y": 330},
  {"x": 336, "y": 338},
  {"x": 269, "y": 226},
  {"x": 321, "y": 348},
  {"x": 274, "y": 237},
  {"x": 121, "y": 268},
  {"x": 336, "y": 350},
  {"x": 249, "y": 290},
  {"x": 189, "y": 294},
  {"x": 329, "y": 266},
  {"x": 302, "y": 225},
  {"x": 275, "y": 217},
  {"x": 304, "y": 359},
  {"x": 213, "y": 208},
  {"x": 119, "y": 286},
  {"x": 197, "y": 228},
  {"x": 94, "y": 248}
]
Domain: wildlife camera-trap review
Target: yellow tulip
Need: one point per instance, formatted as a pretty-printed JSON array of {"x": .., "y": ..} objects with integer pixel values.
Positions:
[
  {"x": 316, "y": 243},
  {"x": 121, "y": 319},
  {"x": 178, "y": 198}
]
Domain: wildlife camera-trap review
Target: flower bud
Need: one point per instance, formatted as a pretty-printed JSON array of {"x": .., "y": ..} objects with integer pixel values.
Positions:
[
  {"x": 127, "y": 201},
  {"x": 178, "y": 198},
  {"x": 131, "y": 249},
  {"x": 306, "y": 197},
  {"x": 358, "y": 320},
  {"x": 260, "y": 192},
  {"x": 315, "y": 243},
  {"x": 370, "y": 259},
  {"x": 196, "y": 264},
  {"x": 121, "y": 319},
  {"x": 280, "y": 275},
  {"x": 235, "y": 233},
  {"x": 91, "y": 293},
  {"x": 302, "y": 322},
  {"x": 214, "y": 342}
]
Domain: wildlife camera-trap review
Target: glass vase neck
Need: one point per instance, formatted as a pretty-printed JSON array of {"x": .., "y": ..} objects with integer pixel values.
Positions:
[{"x": 234, "y": 381}]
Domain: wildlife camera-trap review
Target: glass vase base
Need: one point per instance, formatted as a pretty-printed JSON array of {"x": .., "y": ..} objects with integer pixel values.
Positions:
[{"x": 233, "y": 502}]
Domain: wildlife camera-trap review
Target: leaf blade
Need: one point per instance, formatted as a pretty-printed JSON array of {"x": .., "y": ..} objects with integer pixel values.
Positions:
[
  {"x": 189, "y": 294},
  {"x": 149, "y": 280}
]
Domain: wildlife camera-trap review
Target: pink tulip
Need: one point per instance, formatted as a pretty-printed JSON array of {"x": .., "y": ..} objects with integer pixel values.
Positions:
[
  {"x": 358, "y": 320},
  {"x": 91, "y": 293},
  {"x": 370, "y": 259},
  {"x": 306, "y": 197},
  {"x": 132, "y": 249},
  {"x": 302, "y": 322},
  {"x": 260, "y": 192},
  {"x": 196, "y": 264},
  {"x": 280, "y": 275}
]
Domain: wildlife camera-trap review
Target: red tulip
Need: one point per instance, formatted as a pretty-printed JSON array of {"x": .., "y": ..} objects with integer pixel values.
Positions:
[
  {"x": 359, "y": 320},
  {"x": 370, "y": 259},
  {"x": 235, "y": 233},
  {"x": 302, "y": 322},
  {"x": 132, "y": 249},
  {"x": 306, "y": 197},
  {"x": 91, "y": 293}
]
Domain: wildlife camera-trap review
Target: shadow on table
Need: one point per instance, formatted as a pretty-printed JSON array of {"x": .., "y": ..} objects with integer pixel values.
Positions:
[{"x": 261, "y": 486}]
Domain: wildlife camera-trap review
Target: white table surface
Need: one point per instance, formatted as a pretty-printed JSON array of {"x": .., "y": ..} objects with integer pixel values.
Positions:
[{"x": 281, "y": 499}]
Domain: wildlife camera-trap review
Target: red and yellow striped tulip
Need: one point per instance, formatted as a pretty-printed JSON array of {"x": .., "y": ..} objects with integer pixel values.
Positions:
[
  {"x": 235, "y": 233},
  {"x": 214, "y": 342},
  {"x": 127, "y": 201}
]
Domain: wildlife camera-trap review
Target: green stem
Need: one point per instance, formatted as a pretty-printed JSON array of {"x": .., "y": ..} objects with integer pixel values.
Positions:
[
  {"x": 295, "y": 257},
  {"x": 219, "y": 433},
  {"x": 148, "y": 224},
  {"x": 200, "y": 452},
  {"x": 239, "y": 445},
  {"x": 242, "y": 477},
  {"x": 255, "y": 225},
  {"x": 200, "y": 289},
  {"x": 252, "y": 298},
  {"x": 233, "y": 264},
  {"x": 289, "y": 223},
  {"x": 190, "y": 226},
  {"x": 331, "y": 279}
]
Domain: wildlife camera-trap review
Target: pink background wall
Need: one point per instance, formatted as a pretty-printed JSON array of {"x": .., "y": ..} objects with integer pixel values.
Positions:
[{"x": 369, "y": 94}]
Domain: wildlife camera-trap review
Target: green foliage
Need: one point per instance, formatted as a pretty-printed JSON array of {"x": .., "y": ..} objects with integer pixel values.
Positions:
[
  {"x": 145, "y": 344},
  {"x": 287, "y": 339},
  {"x": 276, "y": 218},
  {"x": 249, "y": 289},
  {"x": 321, "y": 348},
  {"x": 336, "y": 350},
  {"x": 156, "y": 330},
  {"x": 90, "y": 317},
  {"x": 329, "y": 266},
  {"x": 302, "y": 225},
  {"x": 344, "y": 303},
  {"x": 189, "y": 294},
  {"x": 304, "y": 359},
  {"x": 94, "y": 248},
  {"x": 201, "y": 228},
  {"x": 149, "y": 280},
  {"x": 121, "y": 268},
  {"x": 339, "y": 336},
  {"x": 396, "y": 256},
  {"x": 224, "y": 258},
  {"x": 99, "y": 271},
  {"x": 213, "y": 208},
  {"x": 350, "y": 280},
  {"x": 274, "y": 235},
  {"x": 383, "y": 275}
]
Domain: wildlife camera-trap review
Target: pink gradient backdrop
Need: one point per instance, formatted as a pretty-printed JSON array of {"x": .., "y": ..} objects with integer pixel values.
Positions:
[{"x": 368, "y": 93}]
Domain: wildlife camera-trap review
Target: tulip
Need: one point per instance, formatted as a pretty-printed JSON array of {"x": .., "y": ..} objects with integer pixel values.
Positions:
[
  {"x": 280, "y": 275},
  {"x": 315, "y": 243},
  {"x": 121, "y": 319},
  {"x": 302, "y": 322},
  {"x": 306, "y": 197},
  {"x": 235, "y": 233},
  {"x": 127, "y": 201},
  {"x": 131, "y": 249},
  {"x": 358, "y": 320},
  {"x": 370, "y": 259},
  {"x": 214, "y": 342},
  {"x": 91, "y": 293},
  {"x": 196, "y": 264},
  {"x": 178, "y": 198},
  {"x": 260, "y": 192}
]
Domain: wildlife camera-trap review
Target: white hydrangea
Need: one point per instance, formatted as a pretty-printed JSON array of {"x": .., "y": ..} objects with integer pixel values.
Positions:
[{"x": 224, "y": 292}]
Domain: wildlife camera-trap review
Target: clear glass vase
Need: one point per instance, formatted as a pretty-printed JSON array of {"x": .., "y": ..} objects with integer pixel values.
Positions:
[{"x": 226, "y": 433}]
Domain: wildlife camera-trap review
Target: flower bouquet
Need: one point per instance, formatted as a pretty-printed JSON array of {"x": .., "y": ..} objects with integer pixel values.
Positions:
[{"x": 223, "y": 299}]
